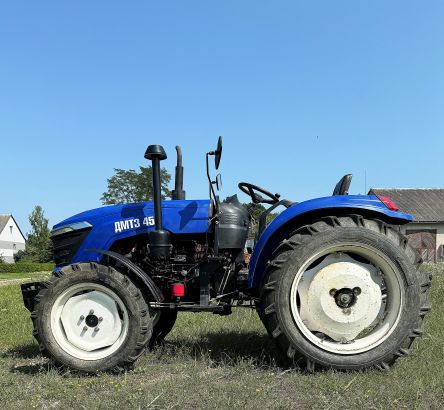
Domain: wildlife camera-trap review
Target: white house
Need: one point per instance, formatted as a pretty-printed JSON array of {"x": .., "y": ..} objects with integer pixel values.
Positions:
[{"x": 12, "y": 239}]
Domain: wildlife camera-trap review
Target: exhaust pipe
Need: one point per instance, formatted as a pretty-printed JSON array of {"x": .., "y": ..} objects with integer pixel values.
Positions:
[
  {"x": 178, "y": 193},
  {"x": 159, "y": 240}
]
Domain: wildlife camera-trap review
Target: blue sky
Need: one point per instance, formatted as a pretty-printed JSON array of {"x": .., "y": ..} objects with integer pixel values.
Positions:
[{"x": 302, "y": 93}]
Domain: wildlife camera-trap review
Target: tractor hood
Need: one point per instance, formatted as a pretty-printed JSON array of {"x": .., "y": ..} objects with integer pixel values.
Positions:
[
  {"x": 100, "y": 228},
  {"x": 179, "y": 216}
]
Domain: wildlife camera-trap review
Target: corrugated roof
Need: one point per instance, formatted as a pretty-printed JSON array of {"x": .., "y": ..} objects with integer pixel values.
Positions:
[
  {"x": 3, "y": 221},
  {"x": 425, "y": 205}
]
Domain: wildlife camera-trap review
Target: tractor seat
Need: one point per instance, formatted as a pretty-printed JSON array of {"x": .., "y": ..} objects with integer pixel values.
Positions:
[{"x": 343, "y": 185}]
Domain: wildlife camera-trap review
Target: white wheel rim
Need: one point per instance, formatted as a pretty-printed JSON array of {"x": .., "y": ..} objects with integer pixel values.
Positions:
[
  {"x": 89, "y": 321},
  {"x": 371, "y": 285}
]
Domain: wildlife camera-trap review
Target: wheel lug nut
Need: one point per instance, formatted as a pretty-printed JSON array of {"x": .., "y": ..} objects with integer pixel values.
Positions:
[
  {"x": 100, "y": 319},
  {"x": 85, "y": 328},
  {"x": 333, "y": 292},
  {"x": 91, "y": 312},
  {"x": 82, "y": 317},
  {"x": 357, "y": 291},
  {"x": 96, "y": 329}
]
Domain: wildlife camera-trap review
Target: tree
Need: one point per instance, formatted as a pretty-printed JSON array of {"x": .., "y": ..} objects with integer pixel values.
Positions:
[
  {"x": 38, "y": 245},
  {"x": 255, "y": 211},
  {"x": 127, "y": 186},
  {"x": 20, "y": 255}
]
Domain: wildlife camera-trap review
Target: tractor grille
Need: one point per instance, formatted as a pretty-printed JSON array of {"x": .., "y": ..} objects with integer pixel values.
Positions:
[{"x": 66, "y": 245}]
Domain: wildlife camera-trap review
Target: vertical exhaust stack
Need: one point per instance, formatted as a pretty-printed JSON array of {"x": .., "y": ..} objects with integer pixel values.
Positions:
[
  {"x": 178, "y": 193},
  {"x": 159, "y": 240}
]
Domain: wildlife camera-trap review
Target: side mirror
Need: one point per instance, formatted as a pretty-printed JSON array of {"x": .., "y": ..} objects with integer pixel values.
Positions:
[
  {"x": 218, "y": 153},
  {"x": 218, "y": 182}
]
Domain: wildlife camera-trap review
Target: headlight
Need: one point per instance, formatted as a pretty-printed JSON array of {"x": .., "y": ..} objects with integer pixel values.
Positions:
[{"x": 70, "y": 228}]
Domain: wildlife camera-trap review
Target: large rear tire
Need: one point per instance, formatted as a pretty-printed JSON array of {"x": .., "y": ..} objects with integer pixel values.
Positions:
[
  {"x": 345, "y": 293},
  {"x": 91, "y": 318}
]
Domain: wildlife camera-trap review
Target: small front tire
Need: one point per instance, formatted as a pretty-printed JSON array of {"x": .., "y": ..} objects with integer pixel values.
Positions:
[{"x": 91, "y": 318}]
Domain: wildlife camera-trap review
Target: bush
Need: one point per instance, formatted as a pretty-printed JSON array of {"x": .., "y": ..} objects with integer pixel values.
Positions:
[
  {"x": 25, "y": 267},
  {"x": 20, "y": 256}
]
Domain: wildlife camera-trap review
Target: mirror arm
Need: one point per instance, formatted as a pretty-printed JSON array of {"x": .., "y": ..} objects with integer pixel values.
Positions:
[{"x": 212, "y": 193}]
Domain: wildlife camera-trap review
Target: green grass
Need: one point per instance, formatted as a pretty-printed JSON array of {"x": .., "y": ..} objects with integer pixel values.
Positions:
[
  {"x": 29, "y": 267},
  {"x": 214, "y": 362},
  {"x": 33, "y": 276}
]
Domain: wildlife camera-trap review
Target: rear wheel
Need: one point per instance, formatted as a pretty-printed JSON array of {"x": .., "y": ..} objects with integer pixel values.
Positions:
[
  {"x": 91, "y": 318},
  {"x": 345, "y": 293}
]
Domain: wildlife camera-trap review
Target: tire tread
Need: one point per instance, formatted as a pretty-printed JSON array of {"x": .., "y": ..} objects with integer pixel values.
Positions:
[
  {"x": 144, "y": 328},
  {"x": 282, "y": 254}
]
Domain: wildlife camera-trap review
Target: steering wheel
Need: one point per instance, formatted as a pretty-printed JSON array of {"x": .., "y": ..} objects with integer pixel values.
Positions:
[{"x": 254, "y": 192}]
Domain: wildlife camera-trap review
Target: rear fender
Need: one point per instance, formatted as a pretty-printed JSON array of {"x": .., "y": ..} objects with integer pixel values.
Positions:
[{"x": 305, "y": 212}]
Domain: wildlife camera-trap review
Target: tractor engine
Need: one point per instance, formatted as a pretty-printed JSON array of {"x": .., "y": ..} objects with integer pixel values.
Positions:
[{"x": 189, "y": 258}]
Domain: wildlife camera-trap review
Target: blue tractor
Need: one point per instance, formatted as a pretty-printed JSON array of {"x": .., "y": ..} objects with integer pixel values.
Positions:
[{"x": 333, "y": 280}]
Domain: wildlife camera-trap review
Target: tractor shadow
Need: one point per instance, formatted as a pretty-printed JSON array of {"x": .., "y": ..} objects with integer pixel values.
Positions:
[
  {"x": 28, "y": 351},
  {"x": 213, "y": 348},
  {"x": 27, "y": 360},
  {"x": 226, "y": 349}
]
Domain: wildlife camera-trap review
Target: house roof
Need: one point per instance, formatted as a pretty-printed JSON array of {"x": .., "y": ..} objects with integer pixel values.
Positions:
[
  {"x": 4, "y": 218},
  {"x": 425, "y": 205},
  {"x": 3, "y": 221}
]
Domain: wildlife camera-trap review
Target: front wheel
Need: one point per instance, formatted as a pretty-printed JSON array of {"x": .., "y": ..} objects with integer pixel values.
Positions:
[
  {"x": 345, "y": 293},
  {"x": 91, "y": 318}
]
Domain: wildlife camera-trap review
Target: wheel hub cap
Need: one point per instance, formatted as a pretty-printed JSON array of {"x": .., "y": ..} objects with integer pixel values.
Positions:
[
  {"x": 340, "y": 297},
  {"x": 91, "y": 321}
]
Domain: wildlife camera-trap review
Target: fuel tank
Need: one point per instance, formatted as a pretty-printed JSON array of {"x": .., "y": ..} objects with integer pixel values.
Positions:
[{"x": 233, "y": 224}]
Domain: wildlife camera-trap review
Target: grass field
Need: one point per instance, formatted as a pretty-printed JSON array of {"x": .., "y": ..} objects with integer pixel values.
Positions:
[
  {"x": 31, "y": 276},
  {"x": 214, "y": 362}
]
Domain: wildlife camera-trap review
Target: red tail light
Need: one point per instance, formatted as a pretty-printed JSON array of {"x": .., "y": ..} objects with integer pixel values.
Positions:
[
  {"x": 388, "y": 203},
  {"x": 177, "y": 290}
]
